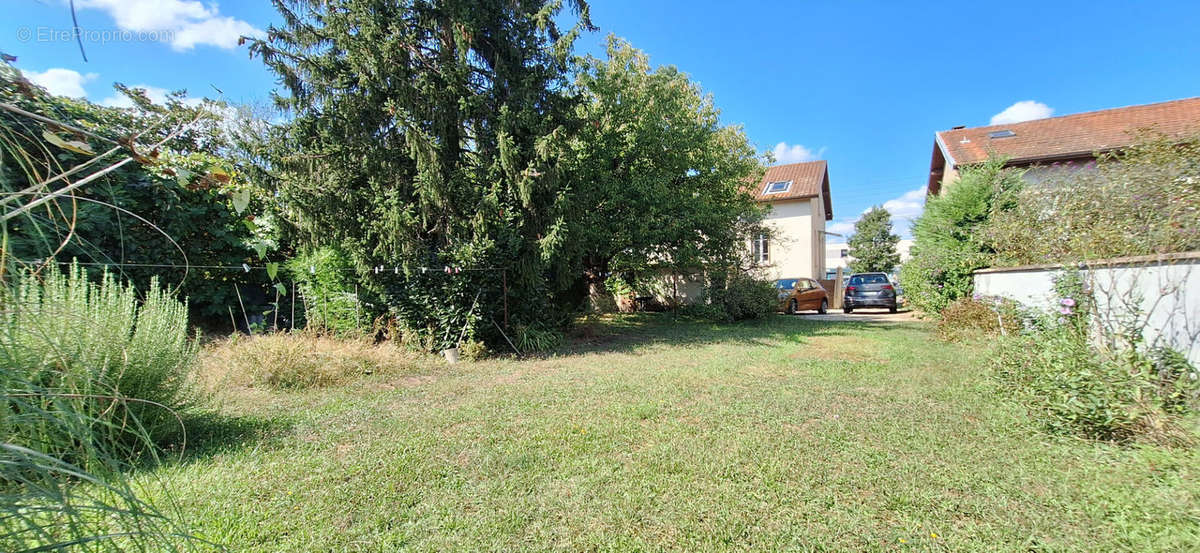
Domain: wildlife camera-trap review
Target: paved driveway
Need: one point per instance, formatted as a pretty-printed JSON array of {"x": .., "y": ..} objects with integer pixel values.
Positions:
[{"x": 862, "y": 315}]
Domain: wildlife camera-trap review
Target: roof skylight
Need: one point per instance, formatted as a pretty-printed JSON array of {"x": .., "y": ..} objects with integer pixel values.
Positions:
[
  {"x": 778, "y": 187},
  {"x": 1001, "y": 134}
]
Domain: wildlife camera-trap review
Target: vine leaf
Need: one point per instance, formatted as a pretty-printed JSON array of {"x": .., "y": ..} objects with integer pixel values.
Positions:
[
  {"x": 272, "y": 270},
  {"x": 241, "y": 200},
  {"x": 72, "y": 145},
  {"x": 279, "y": 287}
]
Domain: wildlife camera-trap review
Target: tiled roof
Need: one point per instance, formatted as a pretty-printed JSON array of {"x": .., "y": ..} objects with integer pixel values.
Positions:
[
  {"x": 809, "y": 180},
  {"x": 1069, "y": 136}
]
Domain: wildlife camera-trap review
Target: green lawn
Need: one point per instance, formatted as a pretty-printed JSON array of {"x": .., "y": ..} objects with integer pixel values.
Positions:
[{"x": 787, "y": 435}]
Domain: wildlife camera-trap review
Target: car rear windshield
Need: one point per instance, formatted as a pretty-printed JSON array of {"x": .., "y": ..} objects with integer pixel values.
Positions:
[{"x": 869, "y": 279}]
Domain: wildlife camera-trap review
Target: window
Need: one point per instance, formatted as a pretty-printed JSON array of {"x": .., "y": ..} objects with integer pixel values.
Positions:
[
  {"x": 845, "y": 253},
  {"x": 761, "y": 249},
  {"x": 1001, "y": 134},
  {"x": 778, "y": 187}
]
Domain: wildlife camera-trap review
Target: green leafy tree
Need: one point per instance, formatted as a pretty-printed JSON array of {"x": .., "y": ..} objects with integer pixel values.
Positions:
[
  {"x": 428, "y": 134},
  {"x": 949, "y": 239},
  {"x": 657, "y": 183},
  {"x": 873, "y": 246}
]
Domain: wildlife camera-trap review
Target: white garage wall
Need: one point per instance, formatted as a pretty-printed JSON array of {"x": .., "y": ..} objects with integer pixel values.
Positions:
[{"x": 1161, "y": 294}]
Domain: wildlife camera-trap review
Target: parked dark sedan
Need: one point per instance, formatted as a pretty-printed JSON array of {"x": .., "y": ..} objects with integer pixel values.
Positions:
[{"x": 869, "y": 290}]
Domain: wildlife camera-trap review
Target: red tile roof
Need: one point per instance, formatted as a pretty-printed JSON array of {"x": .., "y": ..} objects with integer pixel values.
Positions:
[
  {"x": 809, "y": 180},
  {"x": 1070, "y": 136}
]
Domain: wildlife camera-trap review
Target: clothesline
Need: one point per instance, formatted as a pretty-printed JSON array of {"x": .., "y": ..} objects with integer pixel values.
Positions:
[{"x": 245, "y": 267}]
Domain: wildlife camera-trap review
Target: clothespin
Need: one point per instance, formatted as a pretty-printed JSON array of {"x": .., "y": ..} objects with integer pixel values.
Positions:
[
  {"x": 312, "y": 269},
  {"x": 245, "y": 267},
  {"x": 396, "y": 270},
  {"x": 447, "y": 269}
]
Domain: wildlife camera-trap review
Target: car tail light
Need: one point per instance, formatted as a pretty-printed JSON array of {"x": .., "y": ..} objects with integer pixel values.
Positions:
[
  {"x": 887, "y": 286},
  {"x": 850, "y": 289}
]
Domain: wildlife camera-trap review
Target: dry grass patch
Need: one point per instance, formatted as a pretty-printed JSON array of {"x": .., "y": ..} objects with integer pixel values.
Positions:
[{"x": 297, "y": 361}]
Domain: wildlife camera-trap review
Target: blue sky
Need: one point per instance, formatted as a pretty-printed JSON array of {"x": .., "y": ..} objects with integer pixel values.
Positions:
[{"x": 862, "y": 84}]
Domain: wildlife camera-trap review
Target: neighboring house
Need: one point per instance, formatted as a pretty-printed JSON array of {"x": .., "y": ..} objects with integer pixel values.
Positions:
[
  {"x": 837, "y": 254},
  {"x": 1066, "y": 143},
  {"x": 799, "y": 201}
]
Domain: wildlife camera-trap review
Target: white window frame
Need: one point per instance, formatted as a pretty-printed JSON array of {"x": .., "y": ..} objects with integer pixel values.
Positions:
[
  {"x": 787, "y": 185},
  {"x": 760, "y": 248}
]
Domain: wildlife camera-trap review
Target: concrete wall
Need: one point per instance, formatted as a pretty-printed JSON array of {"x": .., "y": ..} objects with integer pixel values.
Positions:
[
  {"x": 1159, "y": 293},
  {"x": 792, "y": 250}
]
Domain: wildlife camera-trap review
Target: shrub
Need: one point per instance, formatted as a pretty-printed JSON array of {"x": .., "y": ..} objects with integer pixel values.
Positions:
[
  {"x": 948, "y": 243},
  {"x": 735, "y": 298},
  {"x": 120, "y": 360},
  {"x": 1143, "y": 200},
  {"x": 326, "y": 281},
  {"x": 473, "y": 350},
  {"x": 977, "y": 316},
  {"x": 298, "y": 360},
  {"x": 1059, "y": 369}
]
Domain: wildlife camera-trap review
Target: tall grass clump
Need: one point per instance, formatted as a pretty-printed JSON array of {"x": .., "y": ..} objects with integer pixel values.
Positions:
[{"x": 116, "y": 358}]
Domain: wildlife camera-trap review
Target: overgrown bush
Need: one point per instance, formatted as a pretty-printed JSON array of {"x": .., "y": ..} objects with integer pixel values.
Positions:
[
  {"x": 737, "y": 297},
  {"x": 1142, "y": 200},
  {"x": 122, "y": 359},
  {"x": 326, "y": 280},
  {"x": 978, "y": 316},
  {"x": 1060, "y": 369},
  {"x": 948, "y": 240},
  {"x": 298, "y": 360}
]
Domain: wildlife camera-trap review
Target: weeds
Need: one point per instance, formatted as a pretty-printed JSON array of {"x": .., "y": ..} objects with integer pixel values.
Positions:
[{"x": 297, "y": 360}]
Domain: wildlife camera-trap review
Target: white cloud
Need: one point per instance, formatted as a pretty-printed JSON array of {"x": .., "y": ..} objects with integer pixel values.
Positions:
[
  {"x": 795, "y": 153},
  {"x": 222, "y": 31},
  {"x": 184, "y": 23},
  {"x": 156, "y": 94},
  {"x": 845, "y": 227},
  {"x": 61, "y": 82},
  {"x": 904, "y": 210},
  {"x": 1025, "y": 110}
]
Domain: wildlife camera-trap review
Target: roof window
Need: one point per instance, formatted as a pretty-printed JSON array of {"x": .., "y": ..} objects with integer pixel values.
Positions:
[
  {"x": 1001, "y": 134},
  {"x": 778, "y": 187}
]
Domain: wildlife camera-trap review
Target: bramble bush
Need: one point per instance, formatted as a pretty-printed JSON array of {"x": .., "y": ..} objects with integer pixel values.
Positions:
[
  {"x": 978, "y": 316},
  {"x": 1140, "y": 201}
]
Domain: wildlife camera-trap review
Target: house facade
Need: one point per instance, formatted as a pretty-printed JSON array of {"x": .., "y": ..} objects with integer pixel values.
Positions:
[
  {"x": 1053, "y": 145},
  {"x": 799, "y": 204},
  {"x": 837, "y": 255}
]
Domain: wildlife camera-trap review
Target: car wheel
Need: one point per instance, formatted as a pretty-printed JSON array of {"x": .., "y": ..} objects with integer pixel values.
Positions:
[
  {"x": 847, "y": 310},
  {"x": 791, "y": 310},
  {"x": 892, "y": 309},
  {"x": 824, "y": 307}
]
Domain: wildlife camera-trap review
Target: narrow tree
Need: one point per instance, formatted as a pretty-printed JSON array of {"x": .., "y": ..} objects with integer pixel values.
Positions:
[{"x": 873, "y": 246}]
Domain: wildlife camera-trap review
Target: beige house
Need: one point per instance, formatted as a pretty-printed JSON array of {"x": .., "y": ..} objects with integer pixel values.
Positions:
[
  {"x": 799, "y": 204},
  {"x": 837, "y": 254},
  {"x": 1055, "y": 144}
]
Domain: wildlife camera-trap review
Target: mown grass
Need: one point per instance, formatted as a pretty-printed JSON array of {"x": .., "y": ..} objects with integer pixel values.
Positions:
[{"x": 786, "y": 435}]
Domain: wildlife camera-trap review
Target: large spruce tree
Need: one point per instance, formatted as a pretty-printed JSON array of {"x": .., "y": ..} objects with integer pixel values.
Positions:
[{"x": 425, "y": 133}]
